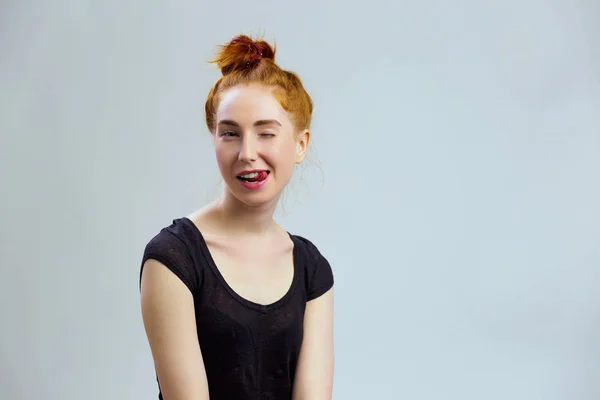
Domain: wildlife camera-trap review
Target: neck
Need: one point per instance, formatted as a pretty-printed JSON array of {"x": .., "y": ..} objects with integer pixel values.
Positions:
[{"x": 245, "y": 219}]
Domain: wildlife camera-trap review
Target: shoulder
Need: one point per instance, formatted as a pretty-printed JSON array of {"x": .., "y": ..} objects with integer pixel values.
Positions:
[
  {"x": 318, "y": 272},
  {"x": 178, "y": 234},
  {"x": 174, "y": 247},
  {"x": 310, "y": 250}
]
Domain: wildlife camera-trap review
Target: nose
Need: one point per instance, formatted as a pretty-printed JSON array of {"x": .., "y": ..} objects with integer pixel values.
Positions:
[{"x": 248, "y": 151}]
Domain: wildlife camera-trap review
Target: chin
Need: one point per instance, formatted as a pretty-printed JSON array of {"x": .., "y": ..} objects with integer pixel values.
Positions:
[
  {"x": 256, "y": 200},
  {"x": 261, "y": 197}
]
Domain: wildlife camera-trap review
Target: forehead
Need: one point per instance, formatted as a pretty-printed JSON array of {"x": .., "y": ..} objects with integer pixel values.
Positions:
[{"x": 249, "y": 103}]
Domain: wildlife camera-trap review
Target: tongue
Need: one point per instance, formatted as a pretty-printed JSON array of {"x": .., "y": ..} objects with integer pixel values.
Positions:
[{"x": 262, "y": 175}]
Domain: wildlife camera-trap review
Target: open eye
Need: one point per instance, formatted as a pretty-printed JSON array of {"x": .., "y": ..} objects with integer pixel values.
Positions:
[{"x": 228, "y": 134}]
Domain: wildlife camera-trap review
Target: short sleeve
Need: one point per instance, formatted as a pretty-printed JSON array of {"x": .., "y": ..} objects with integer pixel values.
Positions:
[
  {"x": 319, "y": 272},
  {"x": 171, "y": 251}
]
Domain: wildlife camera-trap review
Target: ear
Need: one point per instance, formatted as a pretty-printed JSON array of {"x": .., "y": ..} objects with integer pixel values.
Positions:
[{"x": 302, "y": 142}]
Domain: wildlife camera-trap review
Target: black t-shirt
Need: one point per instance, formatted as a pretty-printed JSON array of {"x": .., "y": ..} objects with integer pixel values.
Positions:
[{"x": 249, "y": 350}]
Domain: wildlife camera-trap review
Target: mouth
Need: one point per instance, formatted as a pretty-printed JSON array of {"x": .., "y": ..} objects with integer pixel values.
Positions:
[{"x": 253, "y": 176}]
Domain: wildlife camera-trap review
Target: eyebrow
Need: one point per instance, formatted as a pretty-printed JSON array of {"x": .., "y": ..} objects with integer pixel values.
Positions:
[{"x": 261, "y": 122}]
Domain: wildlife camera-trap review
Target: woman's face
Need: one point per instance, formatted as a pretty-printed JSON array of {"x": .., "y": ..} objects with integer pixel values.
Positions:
[{"x": 256, "y": 144}]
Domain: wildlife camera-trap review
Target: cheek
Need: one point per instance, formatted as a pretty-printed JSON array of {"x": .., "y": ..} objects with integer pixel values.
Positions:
[
  {"x": 283, "y": 156},
  {"x": 223, "y": 156}
]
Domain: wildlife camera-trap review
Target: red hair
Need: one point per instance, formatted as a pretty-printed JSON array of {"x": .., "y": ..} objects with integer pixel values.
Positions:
[{"x": 244, "y": 61}]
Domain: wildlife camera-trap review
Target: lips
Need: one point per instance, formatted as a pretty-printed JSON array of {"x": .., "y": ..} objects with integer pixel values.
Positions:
[{"x": 256, "y": 175}]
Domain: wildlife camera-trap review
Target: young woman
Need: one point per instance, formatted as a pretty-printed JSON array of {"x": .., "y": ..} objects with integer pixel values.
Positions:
[{"x": 234, "y": 306}]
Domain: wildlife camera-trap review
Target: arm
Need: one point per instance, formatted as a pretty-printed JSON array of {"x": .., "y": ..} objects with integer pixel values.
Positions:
[
  {"x": 170, "y": 324},
  {"x": 314, "y": 373}
]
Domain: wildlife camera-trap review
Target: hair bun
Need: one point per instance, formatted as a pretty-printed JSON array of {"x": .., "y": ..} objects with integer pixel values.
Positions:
[{"x": 243, "y": 53}]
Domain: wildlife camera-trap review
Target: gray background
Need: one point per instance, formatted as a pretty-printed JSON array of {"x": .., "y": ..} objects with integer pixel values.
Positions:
[{"x": 453, "y": 184}]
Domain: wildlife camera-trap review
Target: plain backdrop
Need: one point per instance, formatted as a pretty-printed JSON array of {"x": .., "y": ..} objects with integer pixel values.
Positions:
[{"x": 454, "y": 185}]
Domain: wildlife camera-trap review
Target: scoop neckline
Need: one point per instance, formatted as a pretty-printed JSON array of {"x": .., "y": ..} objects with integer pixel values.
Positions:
[{"x": 244, "y": 301}]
